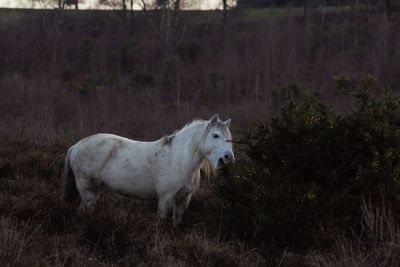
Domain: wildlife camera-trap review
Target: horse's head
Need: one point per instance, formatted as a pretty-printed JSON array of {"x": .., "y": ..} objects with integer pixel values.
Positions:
[{"x": 218, "y": 143}]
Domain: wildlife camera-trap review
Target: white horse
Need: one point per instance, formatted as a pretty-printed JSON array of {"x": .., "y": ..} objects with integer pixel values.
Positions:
[{"x": 167, "y": 169}]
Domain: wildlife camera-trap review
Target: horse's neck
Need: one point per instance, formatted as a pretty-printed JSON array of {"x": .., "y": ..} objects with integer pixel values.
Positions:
[{"x": 188, "y": 142}]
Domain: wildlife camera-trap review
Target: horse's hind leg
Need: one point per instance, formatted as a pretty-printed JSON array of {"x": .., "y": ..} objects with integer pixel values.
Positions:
[{"x": 88, "y": 191}]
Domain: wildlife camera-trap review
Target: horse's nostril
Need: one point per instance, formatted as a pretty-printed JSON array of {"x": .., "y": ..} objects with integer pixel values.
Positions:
[{"x": 227, "y": 157}]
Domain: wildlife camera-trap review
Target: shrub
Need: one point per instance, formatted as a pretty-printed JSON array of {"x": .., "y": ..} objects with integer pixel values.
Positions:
[{"x": 306, "y": 172}]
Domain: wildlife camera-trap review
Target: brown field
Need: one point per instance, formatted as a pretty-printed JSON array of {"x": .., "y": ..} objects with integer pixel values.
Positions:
[{"x": 65, "y": 77}]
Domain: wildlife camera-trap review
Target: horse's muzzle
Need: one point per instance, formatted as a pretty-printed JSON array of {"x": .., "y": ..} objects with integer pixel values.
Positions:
[{"x": 226, "y": 159}]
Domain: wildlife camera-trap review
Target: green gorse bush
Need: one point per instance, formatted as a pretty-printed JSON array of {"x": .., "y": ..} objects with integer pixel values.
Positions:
[{"x": 306, "y": 172}]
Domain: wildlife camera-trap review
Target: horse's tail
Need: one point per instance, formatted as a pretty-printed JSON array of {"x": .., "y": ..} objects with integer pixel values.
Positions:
[{"x": 71, "y": 193}]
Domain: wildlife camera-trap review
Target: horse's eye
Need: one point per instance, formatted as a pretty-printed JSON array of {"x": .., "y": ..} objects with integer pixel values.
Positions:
[{"x": 215, "y": 135}]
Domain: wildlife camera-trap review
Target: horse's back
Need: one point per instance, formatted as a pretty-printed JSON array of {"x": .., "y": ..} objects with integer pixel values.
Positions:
[{"x": 91, "y": 154}]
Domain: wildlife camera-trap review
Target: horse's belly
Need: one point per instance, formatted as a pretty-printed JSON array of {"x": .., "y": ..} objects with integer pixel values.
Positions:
[{"x": 131, "y": 187}]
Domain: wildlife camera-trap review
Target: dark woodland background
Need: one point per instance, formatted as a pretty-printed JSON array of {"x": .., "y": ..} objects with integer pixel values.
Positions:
[{"x": 311, "y": 87}]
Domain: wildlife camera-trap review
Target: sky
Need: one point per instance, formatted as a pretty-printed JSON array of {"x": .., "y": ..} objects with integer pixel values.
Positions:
[{"x": 88, "y": 4}]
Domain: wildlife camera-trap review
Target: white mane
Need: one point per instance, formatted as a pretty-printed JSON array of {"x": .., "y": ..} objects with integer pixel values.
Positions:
[
  {"x": 196, "y": 125},
  {"x": 196, "y": 129},
  {"x": 193, "y": 127}
]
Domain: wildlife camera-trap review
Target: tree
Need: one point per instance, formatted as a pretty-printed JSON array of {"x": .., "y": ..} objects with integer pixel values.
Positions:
[
  {"x": 114, "y": 4},
  {"x": 45, "y": 3},
  {"x": 224, "y": 9},
  {"x": 69, "y": 3},
  {"x": 118, "y": 4},
  {"x": 226, "y": 5},
  {"x": 260, "y": 3}
]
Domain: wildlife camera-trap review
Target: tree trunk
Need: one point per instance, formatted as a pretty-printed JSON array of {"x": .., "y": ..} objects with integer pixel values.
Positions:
[
  {"x": 224, "y": 10},
  {"x": 131, "y": 23},
  {"x": 124, "y": 8},
  {"x": 177, "y": 8}
]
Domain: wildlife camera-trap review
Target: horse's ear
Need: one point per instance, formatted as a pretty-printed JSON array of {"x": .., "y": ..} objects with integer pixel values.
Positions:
[
  {"x": 227, "y": 123},
  {"x": 214, "y": 119}
]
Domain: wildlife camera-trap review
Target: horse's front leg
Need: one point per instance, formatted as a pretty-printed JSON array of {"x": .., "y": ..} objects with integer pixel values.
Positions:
[
  {"x": 164, "y": 204},
  {"x": 181, "y": 203}
]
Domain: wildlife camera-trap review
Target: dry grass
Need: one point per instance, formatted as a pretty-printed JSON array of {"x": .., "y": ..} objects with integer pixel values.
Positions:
[
  {"x": 378, "y": 244},
  {"x": 38, "y": 229},
  {"x": 16, "y": 238}
]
